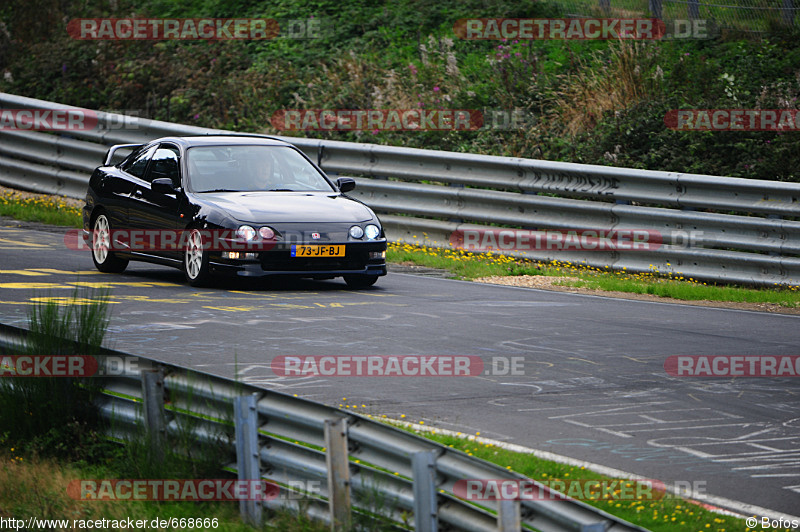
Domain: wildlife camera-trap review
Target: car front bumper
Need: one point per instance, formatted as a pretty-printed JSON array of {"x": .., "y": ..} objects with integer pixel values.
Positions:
[{"x": 278, "y": 261}]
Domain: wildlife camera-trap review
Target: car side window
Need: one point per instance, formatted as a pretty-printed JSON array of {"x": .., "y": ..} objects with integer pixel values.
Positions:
[
  {"x": 165, "y": 164},
  {"x": 136, "y": 164}
]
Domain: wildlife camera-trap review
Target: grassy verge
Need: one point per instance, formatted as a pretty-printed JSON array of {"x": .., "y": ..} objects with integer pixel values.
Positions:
[
  {"x": 660, "y": 513},
  {"x": 468, "y": 265},
  {"x": 45, "y": 209},
  {"x": 52, "y": 436},
  {"x": 37, "y": 487}
]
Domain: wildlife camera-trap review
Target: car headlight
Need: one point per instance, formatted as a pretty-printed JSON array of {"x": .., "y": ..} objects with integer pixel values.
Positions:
[
  {"x": 245, "y": 232},
  {"x": 356, "y": 231},
  {"x": 266, "y": 233},
  {"x": 372, "y": 231}
]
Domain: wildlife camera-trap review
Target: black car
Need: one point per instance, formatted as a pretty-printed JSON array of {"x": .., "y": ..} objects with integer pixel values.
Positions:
[{"x": 230, "y": 204}]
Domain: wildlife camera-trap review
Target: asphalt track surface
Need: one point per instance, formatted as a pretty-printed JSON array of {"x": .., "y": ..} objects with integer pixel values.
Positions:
[{"x": 593, "y": 385}]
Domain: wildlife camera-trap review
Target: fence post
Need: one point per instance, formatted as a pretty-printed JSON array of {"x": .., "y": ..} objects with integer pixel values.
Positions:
[
  {"x": 248, "y": 462},
  {"x": 788, "y": 12},
  {"x": 153, "y": 411},
  {"x": 694, "y": 9},
  {"x": 423, "y": 464},
  {"x": 338, "y": 473},
  {"x": 508, "y": 516},
  {"x": 655, "y": 9}
]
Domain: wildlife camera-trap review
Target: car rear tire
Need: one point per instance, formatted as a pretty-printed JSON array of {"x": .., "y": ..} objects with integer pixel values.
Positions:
[
  {"x": 104, "y": 259},
  {"x": 360, "y": 281},
  {"x": 195, "y": 260}
]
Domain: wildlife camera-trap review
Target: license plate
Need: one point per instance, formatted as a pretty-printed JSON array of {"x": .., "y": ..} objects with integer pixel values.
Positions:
[{"x": 318, "y": 251}]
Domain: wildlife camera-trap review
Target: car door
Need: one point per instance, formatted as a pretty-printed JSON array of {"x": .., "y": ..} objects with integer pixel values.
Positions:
[
  {"x": 157, "y": 212},
  {"x": 116, "y": 188}
]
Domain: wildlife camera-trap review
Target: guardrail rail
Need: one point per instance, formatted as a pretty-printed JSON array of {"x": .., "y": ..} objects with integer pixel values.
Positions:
[
  {"x": 747, "y": 230},
  {"x": 295, "y": 443}
]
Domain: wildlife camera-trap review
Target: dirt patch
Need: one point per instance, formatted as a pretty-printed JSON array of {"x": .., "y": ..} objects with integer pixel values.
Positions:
[{"x": 549, "y": 283}]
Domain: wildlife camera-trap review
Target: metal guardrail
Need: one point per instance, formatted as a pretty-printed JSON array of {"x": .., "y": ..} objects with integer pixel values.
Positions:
[
  {"x": 295, "y": 443},
  {"x": 747, "y": 229}
]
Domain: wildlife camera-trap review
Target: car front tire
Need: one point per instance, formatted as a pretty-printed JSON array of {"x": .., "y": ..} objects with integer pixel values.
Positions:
[
  {"x": 195, "y": 260},
  {"x": 104, "y": 259}
]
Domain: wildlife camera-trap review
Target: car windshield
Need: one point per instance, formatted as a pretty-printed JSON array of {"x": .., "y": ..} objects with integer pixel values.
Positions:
[{"x": 251, "y": 169}]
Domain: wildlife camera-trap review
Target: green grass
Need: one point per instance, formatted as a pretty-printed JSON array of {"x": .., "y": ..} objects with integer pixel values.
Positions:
[
  {"x": 665, "y": 514},
  {"x": 38, "y": 487},
  {"x": 45, "y": 209},
  {"x": 688, "y": 290},
  {"x": 51, "y": 435},
  {"x": 468, "y": 265},
  {"x": 465, "y": 265}
]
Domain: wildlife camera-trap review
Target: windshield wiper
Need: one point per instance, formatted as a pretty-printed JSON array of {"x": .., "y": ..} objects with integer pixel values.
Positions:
[
  {"x": 220, "y": 190},
  {"x": 281, "y": 190}
]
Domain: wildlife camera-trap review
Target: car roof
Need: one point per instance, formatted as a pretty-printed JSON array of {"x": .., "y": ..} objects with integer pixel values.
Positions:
[{"x": 224, "y": 140}]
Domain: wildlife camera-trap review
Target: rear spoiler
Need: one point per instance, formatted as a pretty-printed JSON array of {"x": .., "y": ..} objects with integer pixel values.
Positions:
[{"x": 113, "y": 149}]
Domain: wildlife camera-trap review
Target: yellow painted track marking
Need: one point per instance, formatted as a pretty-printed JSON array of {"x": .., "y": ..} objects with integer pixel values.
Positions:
[
  {"x": 232, "y": 309},
  {"x": 110, "y": 284},
  {"x": 23, "y": 244},
  {"x": 32, "y": 286},
  {"x": 67, "y": 272},
  {"x": 66, "y": 299},
  {"x": 73, "y": 284},
  {"x": 22, "y": 272}
]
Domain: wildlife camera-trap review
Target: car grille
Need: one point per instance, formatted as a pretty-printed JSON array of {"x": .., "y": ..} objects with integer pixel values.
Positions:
[{"x": 283, "y": 261}]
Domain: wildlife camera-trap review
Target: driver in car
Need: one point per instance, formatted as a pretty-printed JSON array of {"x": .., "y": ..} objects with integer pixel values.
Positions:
[{"x": 265, "y": 178}]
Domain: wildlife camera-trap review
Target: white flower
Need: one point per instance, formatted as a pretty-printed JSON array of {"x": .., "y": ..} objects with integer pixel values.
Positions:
[
  {"x": 452, "y": 67},
  {"x": 658, "y": 74}
]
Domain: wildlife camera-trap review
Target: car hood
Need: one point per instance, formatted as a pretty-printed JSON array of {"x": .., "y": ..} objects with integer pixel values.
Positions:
[{"x": 291, "y": 207}]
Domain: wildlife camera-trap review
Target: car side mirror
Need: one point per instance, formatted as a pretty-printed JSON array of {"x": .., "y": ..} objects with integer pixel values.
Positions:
[
  {"x": 346, "y": 184},
  {"x": 163, "y": 185}
]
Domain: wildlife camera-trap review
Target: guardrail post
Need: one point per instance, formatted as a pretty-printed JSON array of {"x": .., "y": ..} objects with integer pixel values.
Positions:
[
  {"x": 423, "y": 464},
  {"x": 508, "y": 516},
  {"x": 774, "y": 253},
  {"x": 338, "y": 473},
  {"x": 457, "y": 220},
  {"x": 248, "y": 463},
  {"x": 153, "y": 411}
]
